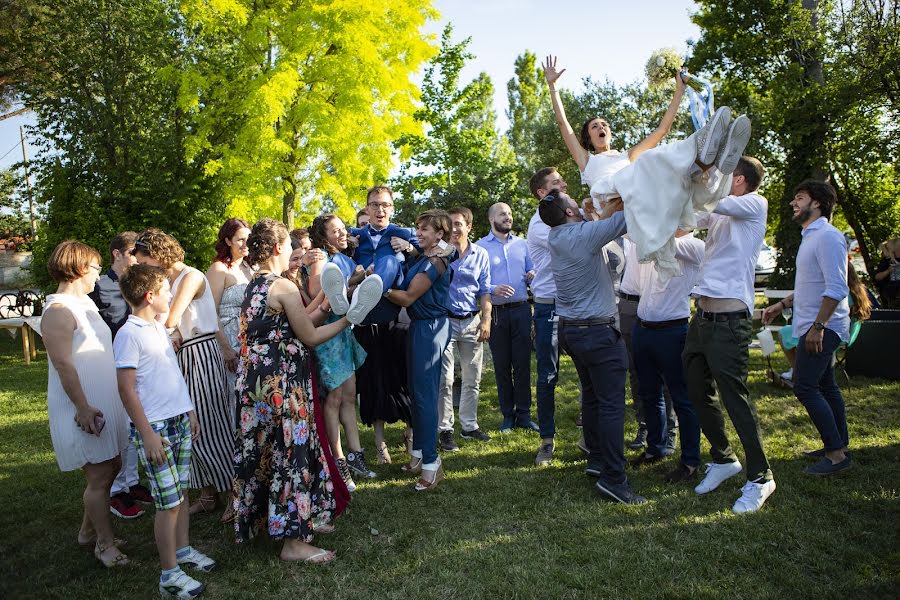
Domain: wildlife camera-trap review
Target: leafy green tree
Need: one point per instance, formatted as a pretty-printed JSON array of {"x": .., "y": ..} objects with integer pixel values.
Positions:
[
  {"x": 298, "y": 101},
  {"x": 461, "y": 160}
]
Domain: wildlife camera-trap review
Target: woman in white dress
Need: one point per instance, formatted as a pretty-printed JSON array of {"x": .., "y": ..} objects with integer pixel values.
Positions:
[
  {"x": 228, "y": 277},
  {"x": 193, "y": 324},
  {"x": 88, "y": 425}
]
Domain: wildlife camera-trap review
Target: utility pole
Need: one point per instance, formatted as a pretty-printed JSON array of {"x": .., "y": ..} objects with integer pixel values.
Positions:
[{"x": 28, "y": 185}]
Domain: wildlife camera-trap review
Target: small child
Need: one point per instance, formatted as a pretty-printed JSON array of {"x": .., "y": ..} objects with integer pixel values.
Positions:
[{"x": 163, "y": 421}]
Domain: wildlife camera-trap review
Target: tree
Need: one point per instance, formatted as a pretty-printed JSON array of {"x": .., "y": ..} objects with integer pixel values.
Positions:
[
  {"x": 800, "y": 71},
  {"x": 298, "y": 101},
  {"x": 460, "y": 160}
]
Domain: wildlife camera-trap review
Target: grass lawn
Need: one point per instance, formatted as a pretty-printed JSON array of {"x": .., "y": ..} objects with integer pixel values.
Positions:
[{"x": 498, "y": 526}]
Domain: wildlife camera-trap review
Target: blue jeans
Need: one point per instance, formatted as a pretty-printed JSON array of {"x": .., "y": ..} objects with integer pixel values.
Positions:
[
  {"x": 816, "y": 388},
  {"x": 601, "y": 361},
  {"x": 510, "y": 344},
  {"x": 427, "y": 341},
  {"x": 546, "y": 349},
  {"x": 657, "y": 354}
]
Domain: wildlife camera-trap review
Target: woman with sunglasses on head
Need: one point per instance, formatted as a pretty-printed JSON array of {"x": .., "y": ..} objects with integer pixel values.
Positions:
[{"x": 201, "y": 346}]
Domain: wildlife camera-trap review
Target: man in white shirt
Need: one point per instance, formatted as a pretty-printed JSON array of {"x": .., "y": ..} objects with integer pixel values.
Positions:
[
  {"x": 821, "y": 321},
  {"x": 717, "y": 348},
  {"x": 658, "y": 338}
]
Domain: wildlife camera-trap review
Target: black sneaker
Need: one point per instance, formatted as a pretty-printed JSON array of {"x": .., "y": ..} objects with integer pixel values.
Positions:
[
  {"x": 620, "y": 492},
  {"x": 826, "y": 467},
  {"x": 356, "y": 461},
  {"x": 345, "y": 474},
  {"x": 681, "y": 473},
  {"x": 640, "y": 440},
  {"x": 645, "y": 460},
  {"x": 475, "y": 434},
  {"x": 445, "y": 441}
]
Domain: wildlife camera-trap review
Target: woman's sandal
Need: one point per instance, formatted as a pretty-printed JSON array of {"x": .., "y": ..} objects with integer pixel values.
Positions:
[
  {"x": 424, "y": 484},
  {"x": 228, "y": 515},
  {"x": 93, "y": 542},
  {"x": 120, "y": 560},
  {"x": 384, "y": 457},
  {"x": 413, "y": 466},
  {"x": 206, "y": 504},
  {"x": 318, "y": 558},
  {"x": 324, "y": 529}
]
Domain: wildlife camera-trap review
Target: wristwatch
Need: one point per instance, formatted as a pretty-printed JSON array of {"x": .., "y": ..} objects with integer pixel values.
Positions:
[
  {"x": 818, "y": 326},
  {"x": 388, "y": 292}
]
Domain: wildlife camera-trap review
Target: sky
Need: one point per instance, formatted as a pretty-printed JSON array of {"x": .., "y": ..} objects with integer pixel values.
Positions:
[{"x": 597, "y": 38}]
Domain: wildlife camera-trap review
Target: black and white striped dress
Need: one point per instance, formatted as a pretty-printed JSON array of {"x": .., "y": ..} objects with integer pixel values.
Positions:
[{"x": 203, "y": 367}]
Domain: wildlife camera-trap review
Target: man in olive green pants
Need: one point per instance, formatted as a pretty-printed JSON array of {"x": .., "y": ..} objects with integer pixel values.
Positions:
[{"x": 718, "y": 339}]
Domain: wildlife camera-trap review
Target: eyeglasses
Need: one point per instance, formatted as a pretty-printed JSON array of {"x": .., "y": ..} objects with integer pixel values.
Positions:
[
  {"x": 379, "y": 205},
  {"x": 97, "y": 267}
]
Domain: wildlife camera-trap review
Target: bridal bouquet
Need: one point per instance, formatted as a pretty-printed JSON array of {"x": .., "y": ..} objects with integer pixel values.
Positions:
[{"x": 662, "y": 66}]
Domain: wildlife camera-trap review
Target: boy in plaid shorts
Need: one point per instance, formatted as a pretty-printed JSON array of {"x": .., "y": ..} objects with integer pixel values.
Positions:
[{"x": 156, "y": 398}]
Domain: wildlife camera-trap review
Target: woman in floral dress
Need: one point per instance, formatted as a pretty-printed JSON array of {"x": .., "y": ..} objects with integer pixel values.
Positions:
[{"x": 283, "y": 480}]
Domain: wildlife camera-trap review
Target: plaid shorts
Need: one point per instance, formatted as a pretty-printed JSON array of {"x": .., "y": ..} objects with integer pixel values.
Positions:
[{"x": 168, "y": 481}]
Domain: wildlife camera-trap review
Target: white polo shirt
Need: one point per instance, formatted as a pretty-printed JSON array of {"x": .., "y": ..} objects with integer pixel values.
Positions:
[
  {"x": 543, "y": 285},
  {"x": 161, "y": 388},
  {"x": 666, "y": 301},
  {"x": 736, "y": 230}
]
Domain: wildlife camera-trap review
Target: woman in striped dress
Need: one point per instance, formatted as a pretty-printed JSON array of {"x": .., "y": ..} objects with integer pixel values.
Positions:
[{"x": 193, "y": 324}]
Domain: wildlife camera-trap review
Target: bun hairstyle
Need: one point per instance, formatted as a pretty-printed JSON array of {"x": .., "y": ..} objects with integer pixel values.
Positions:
[
  {"x": 552, "y": 209},
  {"x": 265, "y": 235},
  {"x": 227, "y": 231}
]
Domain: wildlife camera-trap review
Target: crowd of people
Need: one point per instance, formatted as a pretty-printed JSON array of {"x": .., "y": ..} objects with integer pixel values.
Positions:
[{"x": 248, "y": 383}]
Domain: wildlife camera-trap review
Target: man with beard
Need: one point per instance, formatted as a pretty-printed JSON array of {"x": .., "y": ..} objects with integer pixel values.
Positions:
[
  {"x": 510, "y": 341},
  {"x": 821, "y": 321}
]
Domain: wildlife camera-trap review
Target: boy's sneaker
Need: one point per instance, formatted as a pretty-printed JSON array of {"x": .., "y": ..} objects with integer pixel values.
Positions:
[
  {"x": 711, "y": 136},
  {"x": 365, "y": 297},
  {"x": 140, "y": 494},
  {"x": 475, "y": 434},
  {"x": 620, "y": 492},
  {"x": 445, "y": 441},
  {"x": 753, "y": 495},
  {"x": 544, "y": 454},
  {"x": 356, "y": 461},
  {"x": 716, "y": 474},
  {"x": 345, "y": 474},
  {"x": 180, "y": 585},
  {"x": 335, "y": 288},
  {"x": 733, "y": 145},
  {"x": 197, "y": 560},
  {"x": 124, "y": 507}
]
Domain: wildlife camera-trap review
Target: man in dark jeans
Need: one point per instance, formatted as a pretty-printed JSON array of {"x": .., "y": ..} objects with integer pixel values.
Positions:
[
  {"x": 717, "y": 348},
  {"x": 821, "y": 321},
  {"x": 586, "y": 306}
]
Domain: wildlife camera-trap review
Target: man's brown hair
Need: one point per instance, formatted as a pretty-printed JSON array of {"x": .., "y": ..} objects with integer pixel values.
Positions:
[
  {"x": 537, "y": 180},
  {"x": 140, "y": 280}
]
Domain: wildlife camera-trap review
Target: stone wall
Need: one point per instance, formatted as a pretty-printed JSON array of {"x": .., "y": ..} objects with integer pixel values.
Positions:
[{"x": 15, "y": 269}]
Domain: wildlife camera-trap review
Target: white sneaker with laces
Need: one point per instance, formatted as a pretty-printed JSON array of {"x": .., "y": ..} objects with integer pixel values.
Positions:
[
  {"x": 198, "y": 560},
  {"x": 733, "y": 145},
  {"x": 753, "y": 496},
  {"x": 365, "y": 297},
  {"x": 180, "y": 585},
  {"x": 716, "y": 474},
  {"x": 710, "y": 136},
  {"x": 335, "y": 288}
]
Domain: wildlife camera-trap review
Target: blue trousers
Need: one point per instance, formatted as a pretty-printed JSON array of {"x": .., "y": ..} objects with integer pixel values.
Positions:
[
  {"x": 657, "y": 357},
  {"x": 546, "y": 349},
  {"x": 510, "y": 344},
  {"x": 427, "y": 341},
  {"x": 816, "y": 388},
  {"x": 601, "y": 361}
]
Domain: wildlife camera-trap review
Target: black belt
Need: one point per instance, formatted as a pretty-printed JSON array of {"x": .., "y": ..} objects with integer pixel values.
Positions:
[
  {"x": 662, "y": 324},
  {"x": 722, "y": 316},
  {"x": 631, "y": 297},
  {"x": 463, "y": 316},
  {"x": 511, "y": 304},
  {"x": 587, "y": 322}
]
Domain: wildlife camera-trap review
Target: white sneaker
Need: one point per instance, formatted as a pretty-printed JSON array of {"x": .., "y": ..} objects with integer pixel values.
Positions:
[
  {"x": 365, "y": 297},
  {"x": 733, "y": 145},
  {"x": 711, "y": 135},
  {"x": 181, "y": 585},
  {"x": 716, "y": 474},
  {"x": 753, "y": 495},
  {"x": 335, "y": 288},
  {"x": 788, "y": 375},
  {"x": 198, "y": 560}
]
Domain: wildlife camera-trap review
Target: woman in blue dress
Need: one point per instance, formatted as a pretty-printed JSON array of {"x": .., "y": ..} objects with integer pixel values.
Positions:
[
  {"x": 339, "y": 358},
  {"x": 424, "y": 292}
]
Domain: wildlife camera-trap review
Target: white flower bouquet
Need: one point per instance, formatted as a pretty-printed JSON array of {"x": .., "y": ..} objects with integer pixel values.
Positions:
[{"x": 662, "y": 66}]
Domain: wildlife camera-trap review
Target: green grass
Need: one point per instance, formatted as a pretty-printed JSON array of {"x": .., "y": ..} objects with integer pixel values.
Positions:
[{"x": 498, "y": 526}]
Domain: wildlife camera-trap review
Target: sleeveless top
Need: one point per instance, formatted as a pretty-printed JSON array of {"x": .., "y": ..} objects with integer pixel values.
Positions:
[
  {"x": 230, "y": 313},
  {"x": 200, "y": 317},
  {"x": 603, "y": 166}
]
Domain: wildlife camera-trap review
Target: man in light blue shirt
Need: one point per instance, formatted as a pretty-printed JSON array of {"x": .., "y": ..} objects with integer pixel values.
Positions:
[
  {"x": 510, "y": 341},
  {"x": 469, "y": 309},
  {"x": 821, "y": 321},
  {"x": 588, "y": 332}
]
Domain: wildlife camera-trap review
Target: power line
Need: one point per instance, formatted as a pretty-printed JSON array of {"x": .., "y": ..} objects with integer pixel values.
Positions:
[{"x": 10, "y": 150}]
